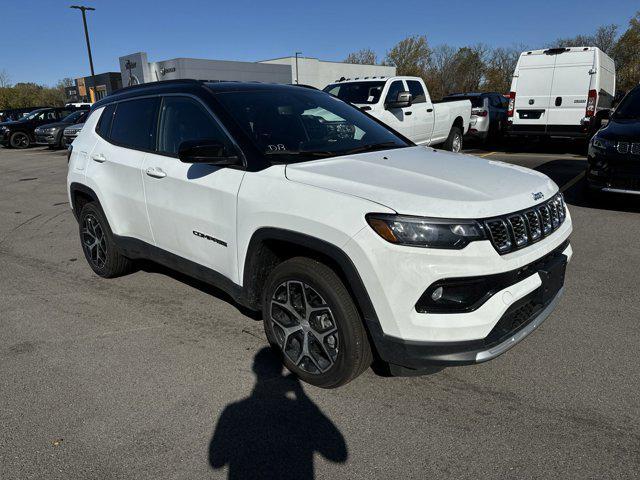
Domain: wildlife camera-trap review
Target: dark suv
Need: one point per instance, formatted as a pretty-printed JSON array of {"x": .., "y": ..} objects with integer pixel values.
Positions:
[
  {"x": 21, "y": 133},
  {"x": 51, "y": 134},
  {"x": 614, "y": 151}
]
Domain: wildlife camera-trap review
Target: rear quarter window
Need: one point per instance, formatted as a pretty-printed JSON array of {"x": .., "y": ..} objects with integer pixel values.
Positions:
[
  {"x": 103, "y": 127},
  {"x": 133, "y": 124}
]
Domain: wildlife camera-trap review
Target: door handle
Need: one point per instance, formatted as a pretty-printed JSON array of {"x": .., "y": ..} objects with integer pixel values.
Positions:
[
  {"x": 155, "y": 172},
  {"x": 558, "y": 101},
  {"x": 429, "y": 110},
  {"x": 408, "y": 113},
  {"x": 98, "y": 157}
]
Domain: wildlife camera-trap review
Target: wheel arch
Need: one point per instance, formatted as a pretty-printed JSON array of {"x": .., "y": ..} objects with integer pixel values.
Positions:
[
  {"x": 459, "y": 122},
  {"x": 80, "y": 196},
  {"x": 269, "y": 246}
]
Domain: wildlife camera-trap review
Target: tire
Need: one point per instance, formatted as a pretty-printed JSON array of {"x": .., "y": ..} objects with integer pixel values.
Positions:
[
  {"x": 98, "y": 245},
  {"x": 454, "y": 140},
  {"x": 20, "y": 140},
  {"x": 337, "y": 348}
]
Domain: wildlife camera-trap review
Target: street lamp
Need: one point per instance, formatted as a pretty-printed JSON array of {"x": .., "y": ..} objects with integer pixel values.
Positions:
[
  {"x": 86, "y": 35},
  {"x": 297, "y": 53}
]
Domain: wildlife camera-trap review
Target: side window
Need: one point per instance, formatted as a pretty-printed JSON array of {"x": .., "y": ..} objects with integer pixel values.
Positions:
[
  {"x": 182, "y": 118},
  {"x": 104, "y": 122},
  {"x": 417, "y": 92},
  {"x": 395, "y": 88},
  {"x": 134, "y": 123}
]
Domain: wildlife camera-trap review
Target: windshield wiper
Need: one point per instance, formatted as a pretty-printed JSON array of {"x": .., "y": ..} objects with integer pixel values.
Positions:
[{"x": 371, "y": 147}]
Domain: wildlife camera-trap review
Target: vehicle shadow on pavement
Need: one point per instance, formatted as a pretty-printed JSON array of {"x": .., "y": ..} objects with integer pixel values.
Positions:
[
  {"x": 563, "y": 171},
  {"x": 276, "y": 430},
  {"x": 152, "y": 267}
]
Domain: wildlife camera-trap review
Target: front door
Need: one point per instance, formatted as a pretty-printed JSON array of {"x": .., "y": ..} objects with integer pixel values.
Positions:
[
  {"x": 397, "y": 118},
  {"x": 191, "y": 207}
]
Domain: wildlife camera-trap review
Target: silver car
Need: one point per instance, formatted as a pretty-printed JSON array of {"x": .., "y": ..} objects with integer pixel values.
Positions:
[
  {"x": 70, "y": 133},
  {"x": 488, "y": 113}
]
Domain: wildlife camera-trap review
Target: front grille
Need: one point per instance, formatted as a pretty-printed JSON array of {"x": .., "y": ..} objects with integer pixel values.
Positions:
[
  {"x": 518, "y": 230},
  {"x": 623, "y": 147}
]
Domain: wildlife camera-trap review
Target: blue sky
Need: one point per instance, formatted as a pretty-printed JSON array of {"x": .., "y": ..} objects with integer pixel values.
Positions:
[{"x": 43, "y": 40}]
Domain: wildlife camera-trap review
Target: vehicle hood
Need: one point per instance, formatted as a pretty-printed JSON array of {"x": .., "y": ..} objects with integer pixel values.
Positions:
[
  {"x": 621, "y": 129},
  {"x": 54, "y": 125},
  {"x": 74, "y": 126},
  {"x": 427, "y": 182}
]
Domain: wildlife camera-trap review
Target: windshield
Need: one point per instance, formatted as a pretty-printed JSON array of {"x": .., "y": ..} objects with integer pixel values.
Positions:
[
  {"x": 36, "y": 114},
  {"x": 297, "y": 124},
  {"x": 629, "y": 106},
  {"x": 357, "y": 92},
  {"x": 476, "y": 100},
  {"x": 73, "y": 117}
]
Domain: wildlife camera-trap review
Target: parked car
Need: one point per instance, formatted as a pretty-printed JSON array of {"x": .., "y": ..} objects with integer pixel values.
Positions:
[
  {"x": 347, "y": 237},
  {"x": 51, "y": 134},
  {"x": 21, "y": 133},
  {"x": 488, "y": 113},
  {"x": 557, "y": 92},
  {"x": 404, "y": 104},
  {"x": 70, "y": 133},
  {"x": 13, "y": 114},
  {"x": 614, "y": 151}
]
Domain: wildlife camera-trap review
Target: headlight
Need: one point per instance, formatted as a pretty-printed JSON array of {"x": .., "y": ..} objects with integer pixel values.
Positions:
[
  {"x": 50, "y": 130},
  {"x": 602, "y": 143},
  {"x": 426, "y": 232}
]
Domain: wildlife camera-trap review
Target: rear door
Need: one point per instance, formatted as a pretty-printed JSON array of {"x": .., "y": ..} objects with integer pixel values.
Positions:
[
  {"x": 192, "y": 207},
  {"x": 570, "y": 88},
  {"x": 115, "y": 162},
  {"x": 533, "y": 90},
  {"x": 397, "y": 118},
  {"x": 422, "y": 113}
]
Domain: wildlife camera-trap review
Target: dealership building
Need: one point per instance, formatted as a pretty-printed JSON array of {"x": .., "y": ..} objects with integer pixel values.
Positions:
[
  {"x": 136, "y": 69},
  {"x": 83, "y": 89}
]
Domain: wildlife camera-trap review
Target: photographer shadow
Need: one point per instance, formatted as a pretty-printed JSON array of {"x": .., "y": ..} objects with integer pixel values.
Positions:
[{"x": 276, "y": 431}]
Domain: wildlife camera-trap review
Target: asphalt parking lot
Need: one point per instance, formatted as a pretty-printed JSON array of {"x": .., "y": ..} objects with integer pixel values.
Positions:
[{"x": 156, "y": 376}]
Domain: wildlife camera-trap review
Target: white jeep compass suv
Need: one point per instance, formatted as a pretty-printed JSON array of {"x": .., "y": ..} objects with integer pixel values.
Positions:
[{"x": 351, "y": 240}]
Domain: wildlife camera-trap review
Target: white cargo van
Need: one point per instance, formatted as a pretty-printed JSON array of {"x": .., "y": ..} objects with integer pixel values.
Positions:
[{"x": 557, "y": 92}]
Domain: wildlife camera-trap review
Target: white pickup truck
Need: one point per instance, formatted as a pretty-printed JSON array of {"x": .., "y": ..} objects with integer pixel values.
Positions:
[{"x": 404, "y": 104}]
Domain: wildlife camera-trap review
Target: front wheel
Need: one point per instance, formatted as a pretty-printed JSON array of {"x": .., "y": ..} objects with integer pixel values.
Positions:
[
  {"x": 454, "y": 140},
  {"x": 312, "y": 321},
  {"x": 20, "y": 140}
]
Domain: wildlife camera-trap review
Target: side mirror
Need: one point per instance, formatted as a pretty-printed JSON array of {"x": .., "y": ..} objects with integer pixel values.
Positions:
[
  {"x": 206, "y": 151},
  {"x": 402, "y": 100}
]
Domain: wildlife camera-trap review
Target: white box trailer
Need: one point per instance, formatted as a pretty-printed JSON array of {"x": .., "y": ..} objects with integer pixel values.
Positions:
[{"x": 557, "y": 92}]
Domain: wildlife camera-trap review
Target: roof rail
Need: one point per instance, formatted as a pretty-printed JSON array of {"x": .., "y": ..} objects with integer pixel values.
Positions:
[{"x": 160, "y": 82}]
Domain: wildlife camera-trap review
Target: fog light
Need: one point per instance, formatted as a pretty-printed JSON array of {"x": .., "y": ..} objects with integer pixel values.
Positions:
[{"x": 437, "y": 294}]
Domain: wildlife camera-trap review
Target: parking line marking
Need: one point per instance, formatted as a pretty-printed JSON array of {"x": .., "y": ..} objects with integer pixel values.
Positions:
[
  {"x": 486, "y": 154},
  {"x": 572, "y": 182}
]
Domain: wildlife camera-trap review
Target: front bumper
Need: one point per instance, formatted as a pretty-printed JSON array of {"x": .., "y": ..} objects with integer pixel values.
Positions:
[
  {"x": 613, "y": 172},
  {"x": 68, "y": 139},
  {"x": 46, "y": 139},
  {"x": 396, "y": 277}
]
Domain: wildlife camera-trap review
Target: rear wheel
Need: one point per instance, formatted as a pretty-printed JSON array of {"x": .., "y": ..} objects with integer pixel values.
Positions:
[
  {"x": 20, "y": 140},
  {"x": 454, "y": 140},
  {"x": 312, "y": 321},
  {"x": 98, "y": 245}
]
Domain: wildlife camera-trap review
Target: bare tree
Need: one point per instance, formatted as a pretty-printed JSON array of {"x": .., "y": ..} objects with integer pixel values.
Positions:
[
  {"x": 627, "y": 56},
  {"x": 5, "y": 81},
  {"x": 606, "y": 38},
  {"x": 499, "y": 68},
  {"x": 365, "y": 56}
]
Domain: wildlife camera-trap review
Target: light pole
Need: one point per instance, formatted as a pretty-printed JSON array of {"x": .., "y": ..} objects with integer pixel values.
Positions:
[
  {"x": 86, "y": 35},
  {"x": 297, "y": 53}
]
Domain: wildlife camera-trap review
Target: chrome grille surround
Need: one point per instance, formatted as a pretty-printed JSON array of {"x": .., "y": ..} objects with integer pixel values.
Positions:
[{"x": 520, "y": 229}]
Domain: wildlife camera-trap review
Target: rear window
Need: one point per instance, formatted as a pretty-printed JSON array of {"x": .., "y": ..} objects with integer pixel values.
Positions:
[
  {"x": 133, "y": 123},
  {"x": 357, "y": 92},
  {"x": 476, "y": 101},
  {"x": 104, "y": 122}
]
